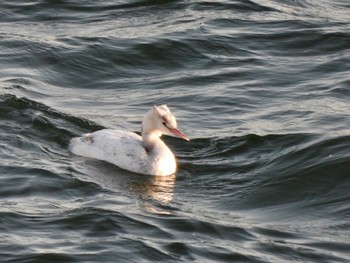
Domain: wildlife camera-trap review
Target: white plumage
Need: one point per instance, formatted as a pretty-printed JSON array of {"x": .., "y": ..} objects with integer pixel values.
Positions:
[{"x": 146, "y": 154}]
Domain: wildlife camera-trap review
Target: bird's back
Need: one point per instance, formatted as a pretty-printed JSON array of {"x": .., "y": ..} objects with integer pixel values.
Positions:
[{"x": 126, "y": 150}]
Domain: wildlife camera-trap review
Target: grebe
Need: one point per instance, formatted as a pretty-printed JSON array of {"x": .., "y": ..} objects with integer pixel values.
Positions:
[{"x": 145, "y": 154}]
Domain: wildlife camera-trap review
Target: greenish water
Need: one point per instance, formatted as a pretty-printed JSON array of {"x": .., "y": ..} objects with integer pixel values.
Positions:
[{"x": 261, "y": 87}]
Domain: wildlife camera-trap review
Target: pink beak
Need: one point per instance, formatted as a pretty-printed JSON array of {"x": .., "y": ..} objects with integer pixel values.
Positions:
[{"x": 178, "y": 133}]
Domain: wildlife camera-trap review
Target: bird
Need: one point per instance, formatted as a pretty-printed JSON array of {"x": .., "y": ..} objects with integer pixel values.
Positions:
[{"x": 145, "y": 154}]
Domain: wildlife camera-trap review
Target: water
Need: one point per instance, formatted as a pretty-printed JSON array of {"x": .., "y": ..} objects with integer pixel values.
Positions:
[{"x": 261, "y": 87}]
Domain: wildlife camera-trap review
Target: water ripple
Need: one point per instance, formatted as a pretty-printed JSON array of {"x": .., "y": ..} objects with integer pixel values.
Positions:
[{"x": 259, "y": 86}]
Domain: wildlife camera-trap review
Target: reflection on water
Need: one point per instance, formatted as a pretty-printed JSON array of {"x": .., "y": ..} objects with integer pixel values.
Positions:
[
  {"x": 160, "y": 188},
  {"x": 262, "y": 86},
  {"x": 157, "y": 188}
]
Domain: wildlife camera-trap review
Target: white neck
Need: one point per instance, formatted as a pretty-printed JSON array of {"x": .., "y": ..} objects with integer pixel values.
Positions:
[
  {"x": 158, "y": 151},
  {"x": 151, "y": 140},
  {"x": 150, "y": 135}
]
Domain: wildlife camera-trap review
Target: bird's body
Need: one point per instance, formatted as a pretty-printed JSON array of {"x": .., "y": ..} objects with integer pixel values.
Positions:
[{"x": 146, "y": 154}]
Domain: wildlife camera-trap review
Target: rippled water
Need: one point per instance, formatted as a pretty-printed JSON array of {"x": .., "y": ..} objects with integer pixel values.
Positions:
[{"x": 261, "y": 87}]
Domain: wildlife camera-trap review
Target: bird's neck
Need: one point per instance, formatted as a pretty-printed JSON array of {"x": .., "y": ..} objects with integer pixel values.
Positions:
[
  {"x": 160, "y": 156},
  {"x": 151, "y": 140}
]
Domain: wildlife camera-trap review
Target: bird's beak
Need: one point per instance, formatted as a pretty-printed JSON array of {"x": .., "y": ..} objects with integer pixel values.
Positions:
[{"x": 179, "y": 134}]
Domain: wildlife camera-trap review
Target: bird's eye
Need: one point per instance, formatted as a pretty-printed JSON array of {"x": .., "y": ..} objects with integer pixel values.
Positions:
[{"x": 164, "y": 123}]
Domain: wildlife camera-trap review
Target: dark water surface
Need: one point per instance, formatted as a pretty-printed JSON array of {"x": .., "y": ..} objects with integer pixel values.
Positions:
[{"x": 261, "y": 87}]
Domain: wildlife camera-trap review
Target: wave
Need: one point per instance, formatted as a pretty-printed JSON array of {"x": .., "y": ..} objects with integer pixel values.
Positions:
[
  {"x": 302, "y": 176},
  {"x": 260, "y": 86},
  {"x": 282, "y": 170},
  {"x": 40, "y": 117}
]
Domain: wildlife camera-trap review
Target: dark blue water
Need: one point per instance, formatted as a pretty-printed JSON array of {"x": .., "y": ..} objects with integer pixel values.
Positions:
[{"x": 261, "y": 87}]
